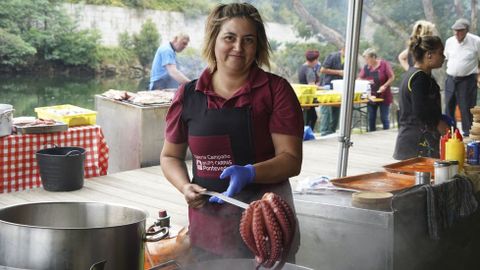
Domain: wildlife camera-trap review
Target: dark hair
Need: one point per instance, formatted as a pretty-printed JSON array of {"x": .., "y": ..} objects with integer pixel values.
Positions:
[
  {"x": 312, "y": 55},
  {"x": 224, "y": 12},
  {"x": 419, "y": 46}
]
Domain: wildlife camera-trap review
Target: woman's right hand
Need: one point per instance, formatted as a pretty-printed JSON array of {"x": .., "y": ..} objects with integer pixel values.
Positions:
[{"x": 193, "y": 196}]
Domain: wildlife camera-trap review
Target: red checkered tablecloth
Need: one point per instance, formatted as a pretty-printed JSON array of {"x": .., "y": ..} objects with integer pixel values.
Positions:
[{"x": 18, "y": 165}]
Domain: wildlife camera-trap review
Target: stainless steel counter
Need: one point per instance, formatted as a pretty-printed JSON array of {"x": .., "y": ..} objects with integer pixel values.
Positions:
[
  {"x": 338, "y": 236},
  {"x": 134, "y": 133}
]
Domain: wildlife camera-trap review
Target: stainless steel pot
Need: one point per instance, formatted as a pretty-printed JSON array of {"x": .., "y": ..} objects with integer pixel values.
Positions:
[
  {"x": 72, "y": 235},
  {"x": 236, "y": 264},
  {"x": 230, "y": 264},
  {"x": 6, "y": 119}
]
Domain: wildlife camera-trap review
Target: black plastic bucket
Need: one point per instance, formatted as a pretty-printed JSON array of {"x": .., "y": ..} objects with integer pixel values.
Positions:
[{"x": 61, "y": 168}]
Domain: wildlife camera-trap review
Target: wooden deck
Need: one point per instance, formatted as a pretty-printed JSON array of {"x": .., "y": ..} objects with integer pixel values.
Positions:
[{"x": 147, "y": 189}]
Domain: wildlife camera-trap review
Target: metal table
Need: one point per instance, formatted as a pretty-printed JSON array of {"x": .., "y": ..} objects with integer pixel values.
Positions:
[
  {"x": 134, "y": 133},
  {"x": 334, "y": 234},
  {"x": 338, "y": 236},
  {"x": 359, "y": 110}
]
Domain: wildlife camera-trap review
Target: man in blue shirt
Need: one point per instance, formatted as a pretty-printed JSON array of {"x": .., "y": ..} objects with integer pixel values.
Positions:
[{"x": 164, "y": 67}]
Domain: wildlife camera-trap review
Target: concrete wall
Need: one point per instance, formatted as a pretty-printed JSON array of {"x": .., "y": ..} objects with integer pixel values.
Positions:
[{"x": 111, "y": 21}]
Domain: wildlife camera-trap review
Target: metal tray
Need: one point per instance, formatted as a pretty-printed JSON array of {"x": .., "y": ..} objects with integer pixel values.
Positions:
[
  {"x": 376, "y": 181},
  {"x": 57, "y": 127},
  {"x": 412, "y": 165}
]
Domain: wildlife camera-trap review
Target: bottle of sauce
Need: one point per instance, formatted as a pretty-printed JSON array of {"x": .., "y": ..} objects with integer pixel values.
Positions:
[
  {"x": 458, "y": 135},
  {"x": 455, "y": 150},
  {"x": 444, "y": 140}
]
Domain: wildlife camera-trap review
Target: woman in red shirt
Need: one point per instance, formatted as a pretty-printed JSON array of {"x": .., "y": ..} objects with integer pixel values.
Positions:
[
  {"x": 244, "y": 127},
  {"x": 380, "y": 74}
]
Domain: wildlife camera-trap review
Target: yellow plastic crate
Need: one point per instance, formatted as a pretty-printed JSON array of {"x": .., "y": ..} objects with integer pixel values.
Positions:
[
  {"x": 69, "y": 114},
  {"x": 322, "y": 96},
  {"x": 332, "y": 96},
  {"x": 306, "y": 98},
  {"x": 335, "y": 96},
  {"x": 302, "y": 89}
]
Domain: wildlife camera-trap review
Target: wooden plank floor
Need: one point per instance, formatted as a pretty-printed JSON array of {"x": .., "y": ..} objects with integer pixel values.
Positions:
[{"x": 147, "y": 189}]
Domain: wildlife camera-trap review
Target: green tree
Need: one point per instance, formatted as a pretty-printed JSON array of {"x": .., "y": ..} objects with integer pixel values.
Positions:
[
  {"x": 43, "y": 25},
  {"x": 125, "y": 41},
  {"x": 14, "y": 51},
  {"x": 75, "y": 48},
  {"x": 146, "y": 43},
  {"x": 190, "y": 8}
]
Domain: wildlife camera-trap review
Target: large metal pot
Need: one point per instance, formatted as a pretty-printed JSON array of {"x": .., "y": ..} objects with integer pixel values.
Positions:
[
  {"x": 236, "y": 264},
  {"x": 71, "y": 235},
  {"x": 230, "y": 264},
  {"x": 6, "y": 119}
]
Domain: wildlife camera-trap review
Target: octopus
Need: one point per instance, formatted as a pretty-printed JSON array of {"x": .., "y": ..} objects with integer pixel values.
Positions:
[{"x": 267, "y": 227}]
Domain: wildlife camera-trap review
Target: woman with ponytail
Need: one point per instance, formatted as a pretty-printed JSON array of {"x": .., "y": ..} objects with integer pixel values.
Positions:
[{"x": 421, "y": 122}]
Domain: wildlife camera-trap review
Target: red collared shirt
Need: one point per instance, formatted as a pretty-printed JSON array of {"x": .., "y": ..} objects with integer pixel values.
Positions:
[{"x": 275, "y": 109}]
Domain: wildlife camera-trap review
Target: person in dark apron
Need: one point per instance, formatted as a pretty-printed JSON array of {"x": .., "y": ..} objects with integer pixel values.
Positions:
[
  {"x": 421, "y": 123},
  {"x": 380, "y": 74},
  {"x": 244, "y": 128}
]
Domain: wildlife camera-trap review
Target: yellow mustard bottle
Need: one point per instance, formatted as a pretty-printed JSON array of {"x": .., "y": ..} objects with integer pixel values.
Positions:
[{"x": 455, "y": 150}]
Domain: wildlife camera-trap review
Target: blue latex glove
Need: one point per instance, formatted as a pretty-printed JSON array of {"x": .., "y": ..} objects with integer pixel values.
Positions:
[
  {"x": 449, "y": 120},
  {"x": 240, "y": 176}
]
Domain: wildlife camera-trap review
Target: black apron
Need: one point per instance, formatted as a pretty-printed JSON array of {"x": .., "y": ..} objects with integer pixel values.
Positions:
[
  {"x": 416, "y": 141},
  {"x": 414, "y": 138},
  {"x": 374, "y": 87},
  {"x": 217, "y": 139}
]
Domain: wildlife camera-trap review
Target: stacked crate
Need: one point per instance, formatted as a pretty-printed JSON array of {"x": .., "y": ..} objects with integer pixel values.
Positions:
[{"x": 306, "y": 93}]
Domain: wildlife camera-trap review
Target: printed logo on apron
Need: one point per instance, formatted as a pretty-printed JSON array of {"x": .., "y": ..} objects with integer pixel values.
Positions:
[
  {"x": 212, "y": 154},
  {"x": 427, "y": 143}
]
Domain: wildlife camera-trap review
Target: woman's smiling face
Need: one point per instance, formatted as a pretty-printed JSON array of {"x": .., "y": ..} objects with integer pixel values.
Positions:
[{"x": 236, "y": 45}]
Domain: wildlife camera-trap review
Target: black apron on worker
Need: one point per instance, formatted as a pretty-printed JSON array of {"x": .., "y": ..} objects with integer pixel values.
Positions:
[
  {"x": 375, "y": 86},
  {"x": 217, "y": 139},
  {"x": 417, "y": 139}
]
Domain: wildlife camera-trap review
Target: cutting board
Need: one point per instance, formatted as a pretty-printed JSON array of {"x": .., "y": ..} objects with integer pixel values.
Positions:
[{"x": 372, "y": 200}]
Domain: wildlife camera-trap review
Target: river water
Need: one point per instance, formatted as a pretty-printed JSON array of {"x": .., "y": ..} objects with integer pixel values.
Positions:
[{"x": 26, "y": 92}]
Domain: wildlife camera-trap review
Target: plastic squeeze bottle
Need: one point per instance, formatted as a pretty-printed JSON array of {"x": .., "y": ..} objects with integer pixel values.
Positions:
[
  {"x": 455, "y": 150},
  {"x": 458, "y": 134},
  {"x": 444, "y": 140}
]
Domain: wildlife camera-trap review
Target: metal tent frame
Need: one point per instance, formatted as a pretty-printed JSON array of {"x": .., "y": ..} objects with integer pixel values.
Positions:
[{"x": 346, "y": 110}]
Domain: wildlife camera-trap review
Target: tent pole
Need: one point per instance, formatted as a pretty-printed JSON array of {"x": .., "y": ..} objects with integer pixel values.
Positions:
[{"x": 350, "y": 72}]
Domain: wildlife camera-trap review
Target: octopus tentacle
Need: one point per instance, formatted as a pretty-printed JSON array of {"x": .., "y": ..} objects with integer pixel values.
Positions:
[
  {"x": 293, "y": 223},
  {"x": 274, "y": 234},
  {"x": 267, "y": 228},
  {"x": 282, "y": 217},
  {"x": 246, "y": 230},
  {"x": 259, "y": 234}
]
